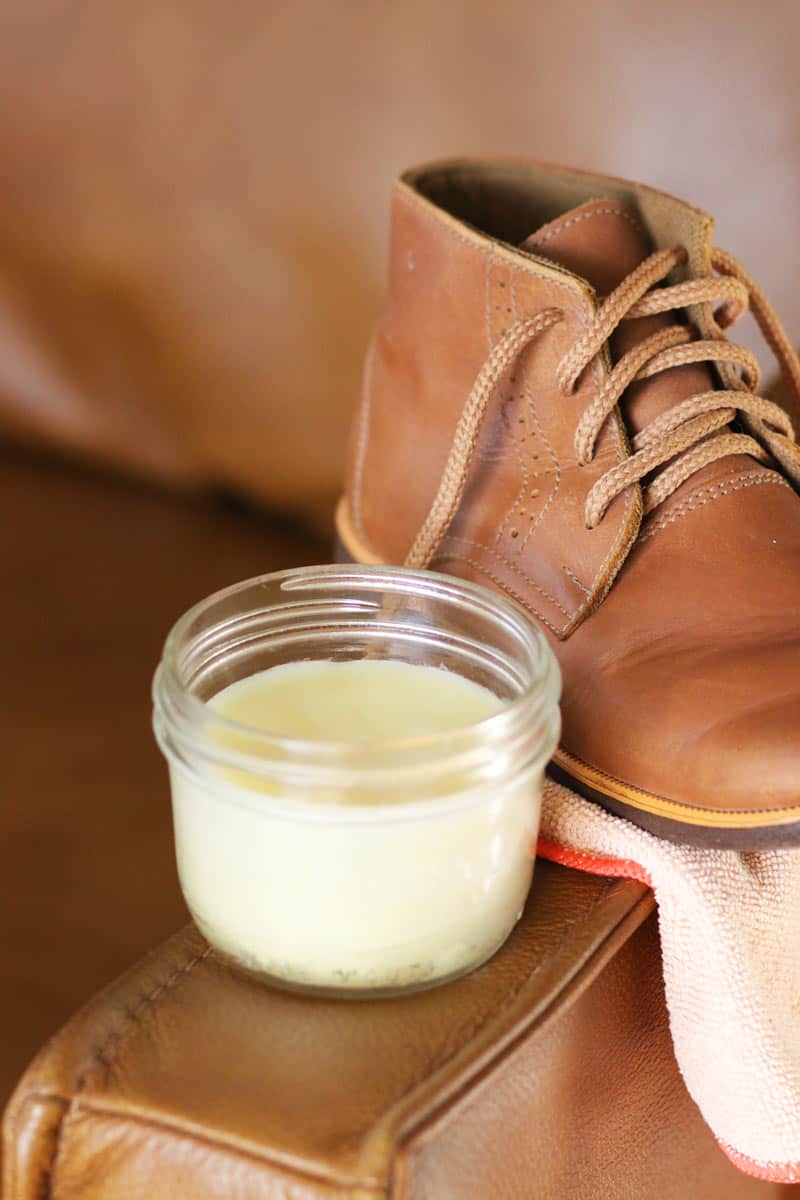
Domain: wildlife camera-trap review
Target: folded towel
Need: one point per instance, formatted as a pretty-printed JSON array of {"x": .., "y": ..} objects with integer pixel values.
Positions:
[{"x": 730, "y": 938}]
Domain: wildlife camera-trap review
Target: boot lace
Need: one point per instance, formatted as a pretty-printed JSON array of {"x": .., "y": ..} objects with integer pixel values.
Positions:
[{"x": 689, "y": 435}]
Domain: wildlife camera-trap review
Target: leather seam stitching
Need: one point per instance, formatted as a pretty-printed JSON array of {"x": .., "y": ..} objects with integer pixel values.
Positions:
[
  {"x": 667, "y": 799},
  {"x": 575, "y": 579},
  {"x": 520, "y": 599},
  {"x": 501, "y": 558},
  {"x": 133, "y": 1018},
  {"x": 361, "y": 445},
  {"x": 759, "y": 473},
  {"x": 412, "y": 200},
  {"x": 115, "y": 1038},
  {"x": 737, "y": 483},
  {"x": 597, "y": 212}
]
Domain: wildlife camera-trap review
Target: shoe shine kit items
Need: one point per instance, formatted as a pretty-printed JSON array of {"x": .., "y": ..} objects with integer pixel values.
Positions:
[{"x": 356, "y": 752}]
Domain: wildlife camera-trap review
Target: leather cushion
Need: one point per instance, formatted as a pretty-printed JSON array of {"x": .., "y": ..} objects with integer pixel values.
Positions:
[{"x": 548, "y": 1072}]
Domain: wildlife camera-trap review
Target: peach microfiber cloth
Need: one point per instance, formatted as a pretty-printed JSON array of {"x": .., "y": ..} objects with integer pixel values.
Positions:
[{"x": 730, "y": 939}]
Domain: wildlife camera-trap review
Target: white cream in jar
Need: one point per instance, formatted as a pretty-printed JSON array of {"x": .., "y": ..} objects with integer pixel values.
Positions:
[{"x": 385, "y": 842}]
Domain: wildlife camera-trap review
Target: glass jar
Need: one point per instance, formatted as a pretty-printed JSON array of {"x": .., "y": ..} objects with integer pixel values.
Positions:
[{"x": 356, "y": 867}]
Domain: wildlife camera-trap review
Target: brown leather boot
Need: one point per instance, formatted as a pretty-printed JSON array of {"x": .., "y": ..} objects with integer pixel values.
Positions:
[{"x": 550, "y": 407}]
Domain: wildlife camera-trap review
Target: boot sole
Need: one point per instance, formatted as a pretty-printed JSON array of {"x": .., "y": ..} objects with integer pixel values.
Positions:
[{"x": 722, "y": 829}]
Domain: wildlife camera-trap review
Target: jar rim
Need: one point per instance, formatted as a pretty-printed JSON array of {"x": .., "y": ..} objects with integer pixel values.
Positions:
[{"x": 178, "y": 708}]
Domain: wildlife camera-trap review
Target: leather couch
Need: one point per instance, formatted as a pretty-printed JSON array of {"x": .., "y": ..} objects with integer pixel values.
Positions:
[
  {"x": 548, "y": 1073},
  {"x": 192, "y": 222}
]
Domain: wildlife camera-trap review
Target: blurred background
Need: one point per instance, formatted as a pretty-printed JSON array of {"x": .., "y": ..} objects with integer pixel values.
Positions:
[{"x": 193, "y": 204}]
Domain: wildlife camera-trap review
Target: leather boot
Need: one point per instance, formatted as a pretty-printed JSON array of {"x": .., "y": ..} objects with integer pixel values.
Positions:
[{"x": 551, "y": 408}]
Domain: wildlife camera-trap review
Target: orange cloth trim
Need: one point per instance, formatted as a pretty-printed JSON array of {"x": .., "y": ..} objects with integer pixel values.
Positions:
[
  {"x": 624, "y": 868},
  {"x": 771, "y": 1172}
]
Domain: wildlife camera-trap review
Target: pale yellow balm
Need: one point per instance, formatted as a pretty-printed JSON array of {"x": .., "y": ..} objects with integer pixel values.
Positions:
[
  {"x": 359, "y": 701},
  {"x": 335, "y": 893}
]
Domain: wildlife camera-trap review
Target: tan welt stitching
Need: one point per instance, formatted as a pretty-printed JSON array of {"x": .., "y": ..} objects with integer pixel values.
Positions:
[
  {"x": 629, "y": 792},
  {"x": 575, "y": 579},
  {"x": 363, "y": 437},
  {"x": 715, "y": 492},
  {"x": 501, "y": 558},
  {"x": 597, "y": 212},
  {"x": 452, "y": 556},
  {"x": 411, "y": 200}
]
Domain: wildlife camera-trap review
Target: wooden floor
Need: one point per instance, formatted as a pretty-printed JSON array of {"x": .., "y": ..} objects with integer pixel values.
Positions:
[{"x": 94, "y": 572}]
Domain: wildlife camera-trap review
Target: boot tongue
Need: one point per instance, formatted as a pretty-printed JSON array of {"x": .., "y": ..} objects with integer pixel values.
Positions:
[{"x": 603, "y": 241}]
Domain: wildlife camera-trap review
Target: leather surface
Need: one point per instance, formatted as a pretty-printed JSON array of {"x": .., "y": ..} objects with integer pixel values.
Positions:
[
  {"x": 689, "y": 641},
  {"x": 630, "y": 1147},
  {"x": 548, "y": 1072},
  {"x": 201, "y": 1084},
  {"x": 193, "y": 209}
]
